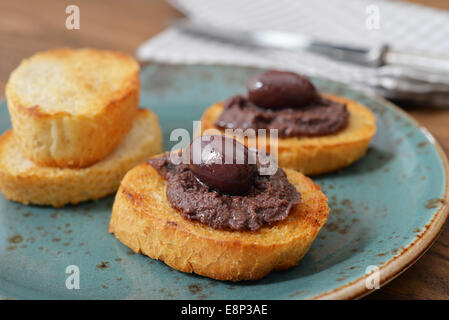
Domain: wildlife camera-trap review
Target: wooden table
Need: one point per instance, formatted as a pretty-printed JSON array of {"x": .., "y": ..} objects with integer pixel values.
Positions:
[{"x": 30, "y": 26}]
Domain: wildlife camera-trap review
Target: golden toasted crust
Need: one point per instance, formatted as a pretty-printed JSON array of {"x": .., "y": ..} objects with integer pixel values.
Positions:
[
  {"x": 23, "y": 181},
  {"x": 143, "y": 219},
  {"x": 70, "y": 108},
  {"x": 317, "y": 155}
]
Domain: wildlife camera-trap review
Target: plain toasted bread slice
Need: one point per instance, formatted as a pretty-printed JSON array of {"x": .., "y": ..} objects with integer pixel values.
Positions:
[
  {"x": 70, "y": 108},
  {"x": 23, "y": 181},
  {"x": 143, "y": 219},
  {"x": 317, "y": 155}
]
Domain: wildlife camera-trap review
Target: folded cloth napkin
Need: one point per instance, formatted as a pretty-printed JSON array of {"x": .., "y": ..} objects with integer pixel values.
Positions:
[{"x": 403, "y": 26}]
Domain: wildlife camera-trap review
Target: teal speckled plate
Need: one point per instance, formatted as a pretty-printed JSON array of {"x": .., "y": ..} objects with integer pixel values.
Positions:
[{"x": 387, "y": 209}]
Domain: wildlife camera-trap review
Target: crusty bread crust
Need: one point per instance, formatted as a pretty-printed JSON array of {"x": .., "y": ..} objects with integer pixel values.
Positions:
[
  {"x": 80, "y": 112},
  {"x": 23, "y": 181},
  {"x": 144, "y": 220},
  {"x": 317, "y": 155}
]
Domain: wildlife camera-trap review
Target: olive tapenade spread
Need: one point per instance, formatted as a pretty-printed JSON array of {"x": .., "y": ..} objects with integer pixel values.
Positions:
[
  {"x": 284, "y": 101},
  {"x": 269, "y": 199}
]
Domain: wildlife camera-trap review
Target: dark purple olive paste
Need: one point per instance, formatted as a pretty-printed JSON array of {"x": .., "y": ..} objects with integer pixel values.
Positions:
[
  {"x": 323, "y": 117},
  {"x": 270, "y": 198}
]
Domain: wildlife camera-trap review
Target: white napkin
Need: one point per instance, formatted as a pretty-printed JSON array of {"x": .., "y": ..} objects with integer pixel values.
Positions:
[{"x": 401, "y": 25}]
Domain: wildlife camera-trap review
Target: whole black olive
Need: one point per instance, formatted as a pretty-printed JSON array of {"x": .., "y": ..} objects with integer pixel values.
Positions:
[
  {"x": 222, "y": 164},
  {"x": 279, "y": 90}
]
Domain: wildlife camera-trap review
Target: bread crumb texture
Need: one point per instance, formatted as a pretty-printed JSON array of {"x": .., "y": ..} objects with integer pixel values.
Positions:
[{"x": 24, "y": 181}]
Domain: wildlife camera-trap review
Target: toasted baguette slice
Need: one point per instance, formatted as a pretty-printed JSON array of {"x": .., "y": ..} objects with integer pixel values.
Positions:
[
  {"x": 70, "y": 108},
  {"x": 317, "y": 155},
  {"x": 23, "y": 181},
  {"x": 143, "y": 219}
]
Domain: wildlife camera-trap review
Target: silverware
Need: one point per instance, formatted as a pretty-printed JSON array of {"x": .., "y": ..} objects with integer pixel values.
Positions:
[
  {"x": 371, "y": 57},
  {"x": 402, "y": 76}
]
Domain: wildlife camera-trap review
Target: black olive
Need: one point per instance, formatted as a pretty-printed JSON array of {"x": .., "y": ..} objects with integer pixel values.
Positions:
[
  {"x": 222, "y": 163},
  {"x": 280, "y": 90}
]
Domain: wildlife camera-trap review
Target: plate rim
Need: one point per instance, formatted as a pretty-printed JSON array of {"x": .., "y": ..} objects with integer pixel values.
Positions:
[{"x": 357, "y": 289}]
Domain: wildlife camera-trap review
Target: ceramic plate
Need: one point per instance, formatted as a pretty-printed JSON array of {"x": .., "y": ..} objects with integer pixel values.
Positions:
[{"x": 387, "y": 209}]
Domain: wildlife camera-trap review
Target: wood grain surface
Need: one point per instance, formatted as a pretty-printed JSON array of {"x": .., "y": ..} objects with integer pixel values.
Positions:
[{"x": 30, "y": 26}]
